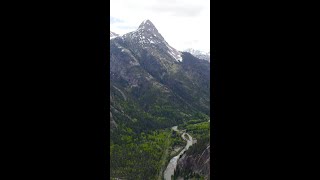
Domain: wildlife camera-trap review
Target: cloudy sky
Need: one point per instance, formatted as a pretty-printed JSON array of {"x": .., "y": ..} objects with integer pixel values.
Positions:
[{"x": 183, "y": 23}]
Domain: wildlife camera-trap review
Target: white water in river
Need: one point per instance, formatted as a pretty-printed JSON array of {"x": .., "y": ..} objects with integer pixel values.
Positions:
[{"x": 173, "y": 162}]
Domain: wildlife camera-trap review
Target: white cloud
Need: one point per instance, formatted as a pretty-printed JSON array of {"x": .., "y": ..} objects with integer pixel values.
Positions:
[{"x": 183, "y": 23}]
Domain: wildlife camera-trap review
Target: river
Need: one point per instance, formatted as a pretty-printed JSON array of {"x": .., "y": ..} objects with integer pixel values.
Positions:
[{"x": 173, "y": 162}]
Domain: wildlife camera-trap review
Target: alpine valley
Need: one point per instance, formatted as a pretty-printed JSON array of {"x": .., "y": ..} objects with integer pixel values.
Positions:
[{"x": 154, "y": 87}]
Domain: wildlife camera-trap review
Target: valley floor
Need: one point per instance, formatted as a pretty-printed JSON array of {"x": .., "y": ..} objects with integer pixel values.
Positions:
[{"x": 148, "y": 154}]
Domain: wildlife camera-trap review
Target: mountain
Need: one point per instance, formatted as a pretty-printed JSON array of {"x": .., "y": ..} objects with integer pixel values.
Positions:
[
  {"x": 113, "y": 35},
  {"x": 199, "y": 54},
  {"x": 153, "y": 87},
  {"x": 146, "y": 70},
  {"x": 148, "y": 38}
]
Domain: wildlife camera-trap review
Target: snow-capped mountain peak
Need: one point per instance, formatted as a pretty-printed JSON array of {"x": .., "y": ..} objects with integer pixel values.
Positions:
[
  {"x": 147, "y": 24},
  {"x": 148, "y": 37},
  {"x": 148, "y": 30}
]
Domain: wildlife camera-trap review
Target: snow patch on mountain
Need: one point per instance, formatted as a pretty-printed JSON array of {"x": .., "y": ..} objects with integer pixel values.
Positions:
[{"x": 174, "y": 53}]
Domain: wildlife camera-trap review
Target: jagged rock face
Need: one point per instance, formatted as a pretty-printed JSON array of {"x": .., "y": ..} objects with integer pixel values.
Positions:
[
  {"x": 147, "y": 38},
  {"x": 148, "y": 28},
  {"x": 198, "y": 163},
  {"x": 146, "y": 70}
]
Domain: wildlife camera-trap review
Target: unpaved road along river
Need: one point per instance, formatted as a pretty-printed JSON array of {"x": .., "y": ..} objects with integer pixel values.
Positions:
[{"x": 173, "y": 162}]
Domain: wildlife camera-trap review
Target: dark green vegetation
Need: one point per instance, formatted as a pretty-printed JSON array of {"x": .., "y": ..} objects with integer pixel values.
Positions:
[
  {"x": 140, "y": 147},
  {"x": 139, "y": 156},
  {"x": 177, "y": 140},
  {"x": 196, "y": 157},
  {"x": 201, "y": 132},
  {"x": 199, "y": 129},
  {"x": 150, "y": 91}
]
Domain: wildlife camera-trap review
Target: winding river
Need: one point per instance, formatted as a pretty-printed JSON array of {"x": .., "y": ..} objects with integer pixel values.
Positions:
[{"x": 173, "y": 162}]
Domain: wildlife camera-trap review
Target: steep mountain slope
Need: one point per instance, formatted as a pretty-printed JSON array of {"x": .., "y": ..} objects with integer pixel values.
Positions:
[
  {"x": 195, "y": 164},
  {"x": 152, "y": 86}
]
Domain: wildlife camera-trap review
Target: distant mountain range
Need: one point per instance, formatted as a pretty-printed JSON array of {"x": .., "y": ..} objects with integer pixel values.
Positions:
[{"x": 199, "y": 54}]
